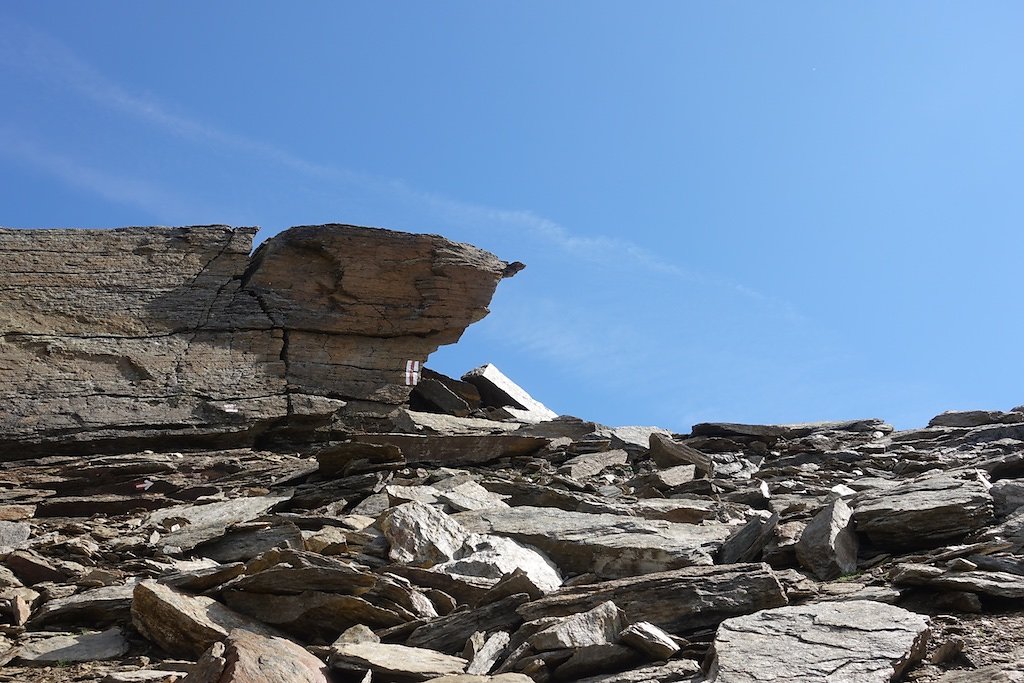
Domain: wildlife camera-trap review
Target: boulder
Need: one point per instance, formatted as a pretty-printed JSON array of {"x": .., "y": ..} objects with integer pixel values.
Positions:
[
  {"x": 422, "y": 535},
  {"x": 486, "y": 556},
  {"x": 828, "y": 545},
  {"x": 856, "y": 641},
  {"x": 925, "y": 512}
]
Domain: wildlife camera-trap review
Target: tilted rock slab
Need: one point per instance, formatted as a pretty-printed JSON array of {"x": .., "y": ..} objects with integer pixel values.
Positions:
[
  {"x": 111, "y": 339},
  {"x": 678, "y": 601},
  {"x": 858, "y": 641}
]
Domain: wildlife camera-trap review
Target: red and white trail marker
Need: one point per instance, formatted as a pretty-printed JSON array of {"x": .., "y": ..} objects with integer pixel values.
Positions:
[
  {"x": 145, "y": 485},
  {"x": 413, "y": 372}
]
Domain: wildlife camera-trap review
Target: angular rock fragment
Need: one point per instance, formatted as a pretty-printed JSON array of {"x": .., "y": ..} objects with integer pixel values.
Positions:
[
  {"x": 486, "y": 656},
  {"x": 676, "y": 671},
  {"x": 450, "y": 633},
  {"x": 95, "y": 607},
  {"x": 354, "y": 457},
  {"x": 828, "y": 544},
  {"x": 649, "y": 639},
  {"x": 748, "y": 542},
  {"x": 997, "y": 584},
  {"x": 668, "y": 453},
  {"x": 591, "y": 464},
  {"x": 465, "y": 449},
  {"x": 186, "y": 526},
  {"x": 598, "y": 626},
  {"x": 499, "y": 391},
  {"x": 849, "y": 641},
  {"x": 591, "y": 659},
  {"x": 313, "y": 616}
]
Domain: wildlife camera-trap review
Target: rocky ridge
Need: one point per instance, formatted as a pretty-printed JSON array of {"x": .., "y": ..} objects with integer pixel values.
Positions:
[{"x": 454, "y": 531}]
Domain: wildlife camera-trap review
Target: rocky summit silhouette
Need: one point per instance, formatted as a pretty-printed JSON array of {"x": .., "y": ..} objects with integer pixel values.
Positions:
[{"x": 221, "y": 466}]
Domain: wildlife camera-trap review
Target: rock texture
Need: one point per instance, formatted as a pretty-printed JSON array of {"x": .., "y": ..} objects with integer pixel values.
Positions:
[
  {"x": 856, "y": 641},
  {"x": 119, "y": 338},
  {"x": 210, "y": 474}
]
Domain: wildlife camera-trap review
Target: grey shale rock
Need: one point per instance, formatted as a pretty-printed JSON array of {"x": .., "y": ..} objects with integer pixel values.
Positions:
[
  {"x": 925, "y": 512},
  {"x": 677, "y": 601},
  {"x": 848, "y": 642},
  {"x": 112, "y": 338},
  {"x": 185, "y": 625},
  {"x": 828, "y": 545},
  {"x": 610, "y": 546}
]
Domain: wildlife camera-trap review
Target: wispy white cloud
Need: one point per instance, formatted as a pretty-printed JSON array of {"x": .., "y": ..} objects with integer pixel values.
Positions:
[
  {"x": 149, "y": 197},
  {"x": 29, "y": 50}
]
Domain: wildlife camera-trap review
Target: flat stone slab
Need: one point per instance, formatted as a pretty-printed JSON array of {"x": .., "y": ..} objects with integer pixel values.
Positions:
[
  {"x": 678, "y": 601},
  {"x": 611, "y": 546},
  {"x": 996, "y": 584},
  {"x": 841, "y": 642},
  {"x": 83, "y": 647}
]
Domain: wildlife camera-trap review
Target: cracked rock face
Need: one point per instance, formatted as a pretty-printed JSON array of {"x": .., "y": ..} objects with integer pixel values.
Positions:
[
  {"x": 859, "y": 641},
  {"x": 111, "y": 339}
]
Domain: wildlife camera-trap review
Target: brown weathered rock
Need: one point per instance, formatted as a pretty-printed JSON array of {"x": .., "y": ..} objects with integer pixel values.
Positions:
[
  {"x": 250, "y": 658},
  {"x": 115, "y": 338},
  {"x": 828, "y": 544},
  {"x": 185, "y": 625}
]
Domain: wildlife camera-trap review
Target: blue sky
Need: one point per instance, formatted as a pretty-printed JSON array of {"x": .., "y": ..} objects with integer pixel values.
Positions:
[{"x": 751, "y": 212}]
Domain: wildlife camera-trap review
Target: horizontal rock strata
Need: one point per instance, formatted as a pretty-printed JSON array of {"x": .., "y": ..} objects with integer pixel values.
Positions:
[{"x": 114, "y": 339}]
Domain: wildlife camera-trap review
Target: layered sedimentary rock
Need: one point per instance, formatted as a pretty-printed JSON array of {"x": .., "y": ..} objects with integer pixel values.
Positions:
[{"x": 110, "y": 339}]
